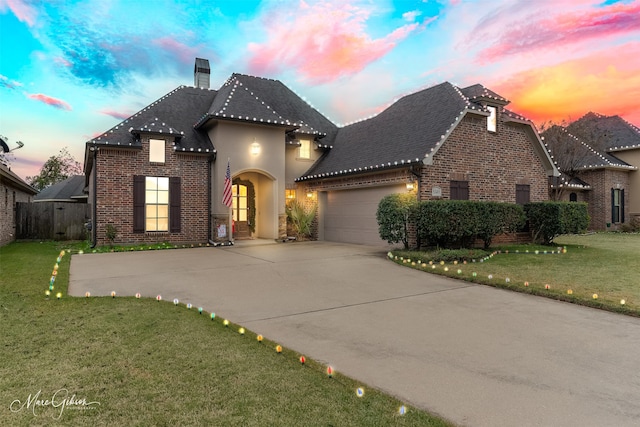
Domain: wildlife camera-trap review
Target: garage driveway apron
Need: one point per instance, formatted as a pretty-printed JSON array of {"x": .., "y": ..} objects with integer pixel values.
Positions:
[{"x": 476, "y": 355}]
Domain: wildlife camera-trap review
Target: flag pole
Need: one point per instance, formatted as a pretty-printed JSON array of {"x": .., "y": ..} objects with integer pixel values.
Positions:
[
  {"x": 230, "y": 208},
  {"x": 227, "y": 200}
]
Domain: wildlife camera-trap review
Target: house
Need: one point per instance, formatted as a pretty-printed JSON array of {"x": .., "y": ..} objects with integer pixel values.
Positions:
[
  {"x": 599, "y": 157},
  {"x": 70, "y": 190},
  {"x": 12, "y": 190},
  {"x": 160, "y": 174}
]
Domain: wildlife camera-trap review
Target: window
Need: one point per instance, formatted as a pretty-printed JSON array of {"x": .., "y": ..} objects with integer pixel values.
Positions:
[
  {"x": 492, "y": 120},
  {"x": 617, "y": 205},
  {"x": 523, "y": 192},
  {"x": 156, "y": 150},
  {"x": 156, "y": 200},
  {"x": 289, "y": 195},
  {"x": 459, "y": 190},
  {"x": 156, "y": 204},
  {"x": 304, "y": 150},
  {"x": 573, "y": 197}
]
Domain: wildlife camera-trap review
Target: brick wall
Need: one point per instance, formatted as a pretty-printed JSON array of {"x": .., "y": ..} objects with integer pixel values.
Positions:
[
  {"x": 599, "y": 198},
  {"x": 9, "y": 196},
  {"x": 492, "y": 163},
  {"x": 116, "y": 169}
]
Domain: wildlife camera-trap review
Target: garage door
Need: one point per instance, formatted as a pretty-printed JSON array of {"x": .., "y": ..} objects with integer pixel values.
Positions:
[{"x": 350, "y": 215}]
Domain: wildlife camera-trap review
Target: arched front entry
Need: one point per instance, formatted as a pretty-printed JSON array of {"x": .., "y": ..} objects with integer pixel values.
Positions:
[{"x": 255, "y": 202}]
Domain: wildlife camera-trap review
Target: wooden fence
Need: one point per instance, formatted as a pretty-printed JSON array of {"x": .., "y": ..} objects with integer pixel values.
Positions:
[{"x": 52, "y": 221}]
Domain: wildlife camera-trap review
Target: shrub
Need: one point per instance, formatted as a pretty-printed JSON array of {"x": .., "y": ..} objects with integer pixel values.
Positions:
[
  {"x": 393, "y": 215},
  {"x": 548, "y": 220},
  {"x": 301, "y": 219}
]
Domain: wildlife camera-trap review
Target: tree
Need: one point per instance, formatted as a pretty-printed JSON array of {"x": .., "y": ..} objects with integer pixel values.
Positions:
[{"x": 56, "y": 169}]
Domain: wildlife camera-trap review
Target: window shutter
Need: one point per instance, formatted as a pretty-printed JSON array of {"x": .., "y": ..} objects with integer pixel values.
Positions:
[
  {"x": 138, "y": 204},
  {"x": 523, "y": 194},
  {"x": 613, "y": 206},
  {"x": 174, "y": 204},
  {"x": 621, "y": 205}
]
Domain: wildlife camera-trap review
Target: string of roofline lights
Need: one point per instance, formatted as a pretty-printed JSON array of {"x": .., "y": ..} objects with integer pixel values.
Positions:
[
  {"x": 433, "y": 266},
  {"x": 329, "y": 369}
]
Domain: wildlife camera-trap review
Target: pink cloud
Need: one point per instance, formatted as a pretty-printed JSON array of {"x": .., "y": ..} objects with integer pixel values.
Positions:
[
  {"x": 322, "y": 41},
  {"x": 23, "y": 11},
  {"x": 564, "y": 29},
  {"x": 116, "y": 114},
  {"x": 184, "y": 53},
  {"x": 54, "y": 102},
  {"x": 606, "y": 82}
]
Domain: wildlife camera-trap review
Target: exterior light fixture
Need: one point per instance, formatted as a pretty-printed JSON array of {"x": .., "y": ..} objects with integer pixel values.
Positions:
[
  {"x": 309, "y": 195},
  {"x": 410, "y": 186},
  {"x": 255, "y": 148}
]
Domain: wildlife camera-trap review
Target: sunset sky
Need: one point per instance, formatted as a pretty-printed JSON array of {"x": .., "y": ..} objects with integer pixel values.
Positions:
[{"x": 70, "y": 70}]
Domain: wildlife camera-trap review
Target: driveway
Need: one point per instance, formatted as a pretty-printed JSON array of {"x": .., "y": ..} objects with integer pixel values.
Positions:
[{"x": 476, "y": 355}]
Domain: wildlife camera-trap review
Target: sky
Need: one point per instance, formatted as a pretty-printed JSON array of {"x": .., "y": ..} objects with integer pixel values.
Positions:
[{"x": 70, "y": 70}]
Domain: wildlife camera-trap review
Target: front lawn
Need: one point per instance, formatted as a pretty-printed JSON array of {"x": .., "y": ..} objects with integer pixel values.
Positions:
[
  {"x": 604, "y": 265},
  {"x": 140, "y": 362}
]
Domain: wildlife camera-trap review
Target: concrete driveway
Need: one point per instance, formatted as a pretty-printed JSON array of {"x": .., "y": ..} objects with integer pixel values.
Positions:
[{"x": 476, "y": 355}]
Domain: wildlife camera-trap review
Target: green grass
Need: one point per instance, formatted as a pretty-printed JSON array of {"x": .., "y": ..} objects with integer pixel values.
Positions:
[
  {"x": 605, "y": 264},
  {"x": 149, "y": 363}
]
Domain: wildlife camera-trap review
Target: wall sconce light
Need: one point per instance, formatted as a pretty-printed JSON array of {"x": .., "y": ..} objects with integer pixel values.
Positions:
[
  {"x": 309, "y": 195},
  {"x": 410, "y": 186},
  {"x": 255, "y": 148}
]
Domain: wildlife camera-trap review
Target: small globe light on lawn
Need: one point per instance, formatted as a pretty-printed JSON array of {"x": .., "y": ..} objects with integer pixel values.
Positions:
[
  {"x": 61, "y": 253},
  {"x": 47, "y": 293},
  {"x": 302, "y": 359},
  {"x": 537, "y": 252},
  {"x": 526, "y": 284},
  {"x": 507, "y": 280},
  {"x": 413, "y": 264},
  {"x": 464, "y": 262},
  {"x": 80, "y": 252},
  {"x": 259, "y": 338},
  {"x": 455, "y": 262},
  {"x": 424, "y": 265},
  {"x": 278, "y": 348},
  {"x": 547, "y": 286},
  {"x": 113, "y": 294},
  {"x": 474, "y": 274},
  {"x": 59, "y": 295},
  {"x": 433, "y": 267},
  {"x": 595, "y": 296},
  {"x": 622, "y": 302},
  {"x": 402, "y": 410},
  {"x": 225, "y": 322},
  {"x": 241, "y": 331},
  {"x": 459, "y": 271},
  {"x": 55, "y": 267},
  {"x": 359, "y": 392},
  {"x": 87, "y": 294},
  {"x": 138, "y": 295},
  {"x": 569, "y": 291},
  {"x": 446, "y": 269},
  {"x": 329, "y": 371},
  {"x": 189, "y": 306},
  {"x": 159, "y": 298},
  {"x": 213, "y": 316},
  {"x": 175, "y": 301},
  {"x": 490, "y": 276},
  {"x": 50, "y": 287},
  {"x": 54, "y": 273},
  {"x": 200, "y": 310},
  {"x": 441, "y": 262},
  {"x": 430, "y": 262}
]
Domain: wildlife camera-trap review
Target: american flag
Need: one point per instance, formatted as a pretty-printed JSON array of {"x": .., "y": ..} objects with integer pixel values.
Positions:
[{"x": 226, "y": 193}]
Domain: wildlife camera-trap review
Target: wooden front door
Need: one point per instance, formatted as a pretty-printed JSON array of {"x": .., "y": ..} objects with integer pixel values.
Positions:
[{"x": 240, "y": 212}]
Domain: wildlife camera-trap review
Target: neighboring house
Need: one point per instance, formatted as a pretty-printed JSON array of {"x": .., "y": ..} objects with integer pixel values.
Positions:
[
  {"x": 70, "y": 190},
  {"x": 160, "y": 174},
  {"x": 599, "y": 158},
  {"x": 12, "y": 190}
]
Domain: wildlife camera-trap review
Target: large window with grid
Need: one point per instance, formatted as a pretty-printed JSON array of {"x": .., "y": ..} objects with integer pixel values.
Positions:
[{"x": 156, "y": 203}]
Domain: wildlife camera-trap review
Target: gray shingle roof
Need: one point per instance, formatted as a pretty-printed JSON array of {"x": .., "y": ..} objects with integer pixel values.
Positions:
[
  {"x": 610, "y": 133},
  {"x": 174, "y": 114},
  {"x": 407, "y": 131},
  {"x": 478, "y": 92},
  {"x": 70, "y": 189},
  {"x": 11, "y": 179},
  {"x": 571, "y": 152},
  {"x": 267, "y": 101}
]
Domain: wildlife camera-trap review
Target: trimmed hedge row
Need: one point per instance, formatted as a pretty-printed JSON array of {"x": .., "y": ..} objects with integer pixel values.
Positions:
[{"x": 458, "y": 223}]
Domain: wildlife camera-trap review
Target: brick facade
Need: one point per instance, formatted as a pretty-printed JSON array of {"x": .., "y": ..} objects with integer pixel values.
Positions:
[
  {"x": 599, "y": 197},
  {"x": 9, "y": 196},
  {"x": 492, "y": 163},
  {"x": 116, "y": 168}
]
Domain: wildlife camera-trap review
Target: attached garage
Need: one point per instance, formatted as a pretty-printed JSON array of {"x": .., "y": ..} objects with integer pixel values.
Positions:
[{"x": 349, "y": 216}]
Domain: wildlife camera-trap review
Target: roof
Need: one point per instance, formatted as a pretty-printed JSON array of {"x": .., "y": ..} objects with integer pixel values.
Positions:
[
  {"x": 572, "y": 153},
  {"x": 410, "y": 131},
  {"x": 71, "y": 189},
  {"x": 606, "y": 133},
  {"x": 564, "y": 181},
  {"x": 266, "y": 101},
  {"x": 174, "y": 114},
  {"x": 8, "y": 177}
]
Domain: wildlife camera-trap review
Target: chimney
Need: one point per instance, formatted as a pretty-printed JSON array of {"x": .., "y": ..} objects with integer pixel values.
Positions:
[{"x": 201, "y": 73}]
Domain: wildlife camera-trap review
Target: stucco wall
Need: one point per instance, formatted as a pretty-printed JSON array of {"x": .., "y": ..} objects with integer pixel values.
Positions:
[{"x": 632, "y": 193}]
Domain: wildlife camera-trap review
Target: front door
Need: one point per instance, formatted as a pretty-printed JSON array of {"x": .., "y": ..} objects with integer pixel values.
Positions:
[{"x": 240, "y": 212}]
